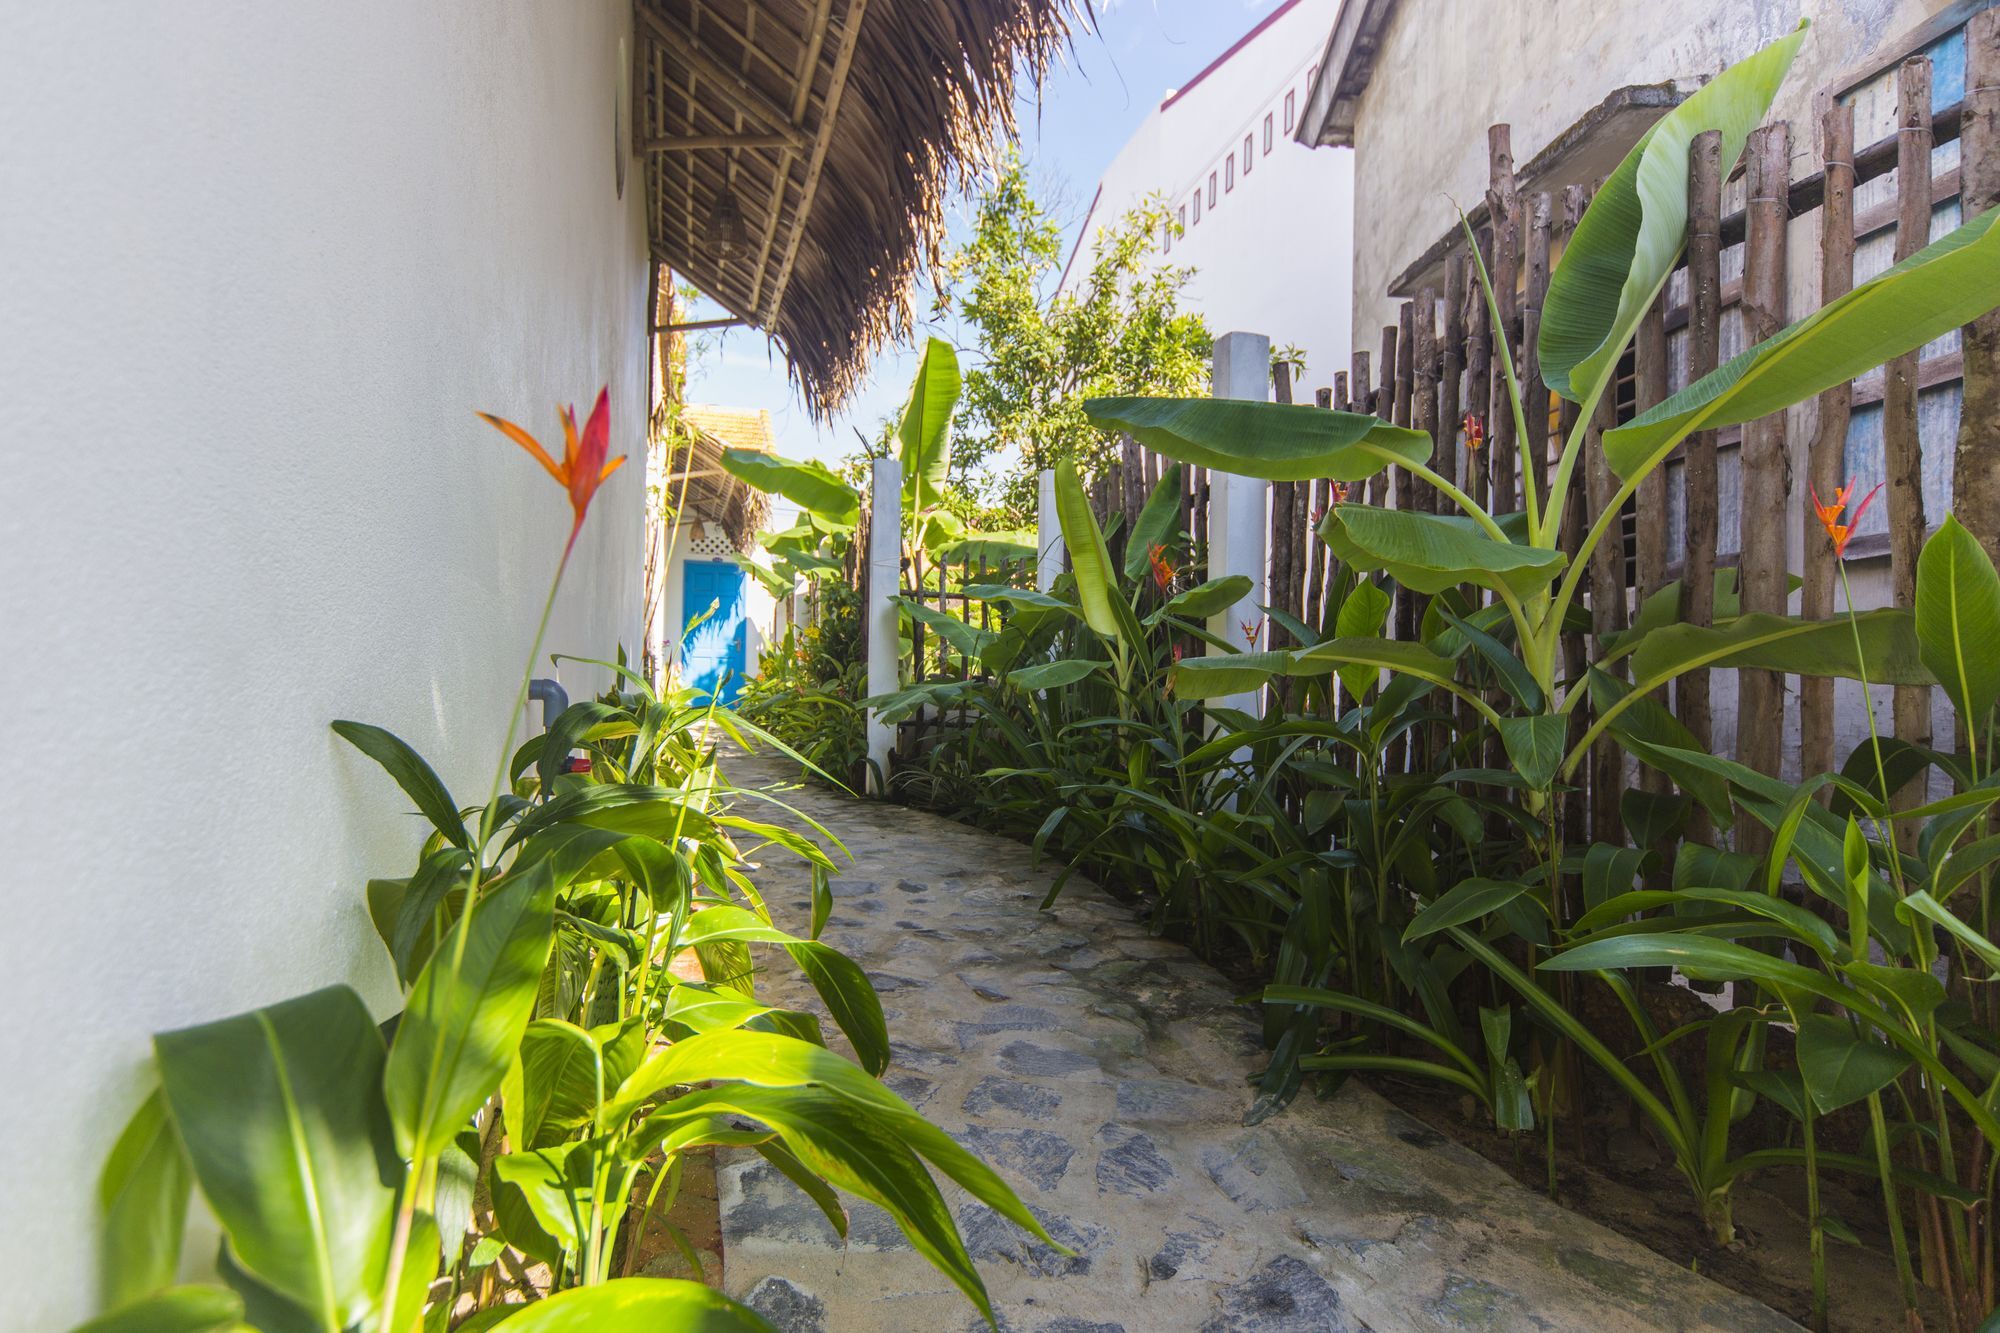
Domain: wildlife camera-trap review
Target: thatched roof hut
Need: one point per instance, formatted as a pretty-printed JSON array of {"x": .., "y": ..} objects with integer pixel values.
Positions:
[
  {"x": 797, "y": 152},
  {"x": 740, "y": 509}
]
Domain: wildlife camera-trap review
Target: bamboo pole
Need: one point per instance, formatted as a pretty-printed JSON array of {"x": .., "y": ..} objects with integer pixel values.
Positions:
[
  {"x": 1704, "y": 265},
  {"x": 1503, "y": 205},
  {"x": 1479, "y": 387},
  {"x": 1826, "y": 460},
  {"x": 1534, "y": 390},
  {"x": 1902, "y": 451},
  {"x": 1975, "y": 471},
  {"x": 1763, "y": 566},
  {"x": 1576, "y": 807},
  {"x": 1451, "y": 371},
  {"x": 1607, "y": 617},
  {"x": 1405, "y": 492}
]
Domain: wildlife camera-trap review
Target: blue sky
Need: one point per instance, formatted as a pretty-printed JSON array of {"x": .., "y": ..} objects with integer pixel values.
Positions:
[{"x": 1088, "y": 106}]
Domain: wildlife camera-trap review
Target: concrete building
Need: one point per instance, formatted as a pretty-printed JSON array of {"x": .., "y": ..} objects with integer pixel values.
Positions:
[{"x": 1262, "y": 221}]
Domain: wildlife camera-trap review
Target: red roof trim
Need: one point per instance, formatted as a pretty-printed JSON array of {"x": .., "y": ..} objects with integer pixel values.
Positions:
[{"x": 1223, "y": 59}]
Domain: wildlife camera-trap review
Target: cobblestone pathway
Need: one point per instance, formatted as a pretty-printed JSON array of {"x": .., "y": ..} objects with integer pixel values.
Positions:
[{"x": 1102, "y": 1072}]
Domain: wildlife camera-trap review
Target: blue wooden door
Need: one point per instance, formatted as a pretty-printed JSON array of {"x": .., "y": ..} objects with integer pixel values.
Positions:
[{"x": 714, "y": 649}]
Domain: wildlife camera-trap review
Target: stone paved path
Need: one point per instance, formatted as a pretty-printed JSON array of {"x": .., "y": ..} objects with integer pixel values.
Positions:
[{"x": 1102, "y": 1071}]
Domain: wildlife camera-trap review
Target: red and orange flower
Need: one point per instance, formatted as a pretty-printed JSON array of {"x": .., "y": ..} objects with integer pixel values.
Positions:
[
  {"x": 1475, "y": 431},
  {"x": 1829, "y": 515},
  {"x": 1163, "y": 572},
  {"x": 583, "y": 468}
]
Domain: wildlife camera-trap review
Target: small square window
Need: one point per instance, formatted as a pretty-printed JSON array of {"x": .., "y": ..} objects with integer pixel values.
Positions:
[
  {"x": 1267, "y": 131},
  {"x": 1211, "y": 189},
  {"x": 1291, "y": 109},
  {"x": 1229, "y": 173},
  {"x": 1249, "y": 153}
]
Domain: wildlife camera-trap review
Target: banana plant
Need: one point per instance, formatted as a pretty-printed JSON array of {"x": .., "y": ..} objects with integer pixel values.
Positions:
[{"x": 1619, "y": 258}]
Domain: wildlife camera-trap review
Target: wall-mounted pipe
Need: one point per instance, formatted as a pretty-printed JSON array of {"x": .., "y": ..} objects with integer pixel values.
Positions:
[{"x": 553, "y": 698}]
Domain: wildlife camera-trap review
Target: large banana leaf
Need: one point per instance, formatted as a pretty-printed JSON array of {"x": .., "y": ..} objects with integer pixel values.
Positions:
[
  {"x": 1205, "y": 600},
  {"x": 969, "y": 640},
  {"x": 808, "y": 485},
  {"x": 1942, "y": 286},
  {"x": 1157, "y": 525},
  {"x": 1958, "y": 620},
  {"x": 1096, "y": 585},
  {"x": 1432, "y": 552},
  {"x": 925, "y": 430},
  {"x": 1276, "y": 441},
  {"x": 1630, "y": 237},
  {"x": 1362, "y": 616},
  {"x": 637, "y": 1305},
  {"x": 1373, "y": 655},
  {"x": 995, "y": 548},
  {"x": 468, "y": 1010},
  {"x": 1226, "y": 673},
  {"x": 142, "y": 1202},
  {"x": 282, "y": 1116},
  {"x": 1888, "y": 641}
]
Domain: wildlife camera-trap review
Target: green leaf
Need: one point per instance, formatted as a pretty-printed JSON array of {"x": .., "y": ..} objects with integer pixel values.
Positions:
[
  {"x": 1468, "y": 901},
  {"x": 1627, "y": 243},
  {"x": 1157, "y": 524},
  {"x": 541, "y": 1199},
  {"x": 808, "y": 485},
  {"x": 1946, "y": 284},
  {"x": 411, "y": 773},
  {"x": 1535, "y": 744},
  {"x": 559, "y": 1076},
  {"x": 1096, "y": 586},
  {"x": 442, "y": 872},
  {"x": 1514, "y": 675},
  {"x": 1432, "y": 552},
  {"x": 1012, "y": 546},
  {"x": 1275, "y": 441},
  {"x": 968, "y": 640},
  {"x": 841, "y": 983},
  {"x": 281, "y": 1113},
  {"x": 1786, "y": 643},
  {"x": 1783, "y": 1086},
  {"x": 1199, "y": 603},
  {"x": 1923, "y": 904},
  {"x": 1055, "y": 675},
  {"x": 142, "y": 1204},
  {"x": 175, "y": 1310},
  {"x": 1958, "y": 619},
  {"x": 1369, "y": 656},
  {"x": 468, "y": 1009},
  {"x": 1841, "y": 1067},
  {"x": 1226, "y": 673},
  {"x": 1362, "y": 616},
  {"x": 925, "y": 430},
  {"x": 637, "y": 1305}
]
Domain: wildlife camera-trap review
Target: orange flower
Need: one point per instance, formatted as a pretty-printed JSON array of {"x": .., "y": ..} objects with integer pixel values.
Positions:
[
  {"x": 1163, "y": 572},
  {"x": 1475, "y": 431},
  {"x": 1340, "y": 492},
  {"x": 583, "y": 468},
  {"x": 1250, "y": 631},
  {"x": 1829, "y": 514}
]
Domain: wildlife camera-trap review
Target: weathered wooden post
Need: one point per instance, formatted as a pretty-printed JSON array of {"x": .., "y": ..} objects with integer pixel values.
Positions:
[
  {"x": 1238, "y": 505},
  {"x": 885, "y": 552},
  {"x": 1050, "y": 554}
]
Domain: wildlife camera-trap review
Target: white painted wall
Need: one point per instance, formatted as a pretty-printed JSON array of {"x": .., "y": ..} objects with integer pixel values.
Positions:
[
  {"x": 261, "y": 262},
  {"x": 1274, "y": 254}
]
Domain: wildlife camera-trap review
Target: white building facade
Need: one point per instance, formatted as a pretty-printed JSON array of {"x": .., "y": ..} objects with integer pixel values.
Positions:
[{"x": 1220, "y": 149}]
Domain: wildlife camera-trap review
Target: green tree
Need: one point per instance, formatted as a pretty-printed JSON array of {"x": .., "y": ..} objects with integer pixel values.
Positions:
[{"x": 1040, "y": 353}]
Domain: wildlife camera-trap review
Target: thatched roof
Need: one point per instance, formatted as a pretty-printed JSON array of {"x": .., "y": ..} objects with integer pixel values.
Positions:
[
  {"x": 711, "y": 492},
  {"x": 797, "y": 152}
]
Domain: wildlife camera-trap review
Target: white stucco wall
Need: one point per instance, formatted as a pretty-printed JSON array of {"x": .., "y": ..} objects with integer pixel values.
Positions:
[
  {"x": 261, "y": 262},
  {"x": 1274, "y": 255}
]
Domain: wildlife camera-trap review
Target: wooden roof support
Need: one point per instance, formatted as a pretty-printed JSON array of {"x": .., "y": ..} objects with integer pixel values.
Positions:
[
  {"x": 731, "y": 84},
  {"x": 843, "y": 61},
  {"x": 685, "y": 143},
  {"x": 802, "y": 83},
  {"x": 700, "y": 325}
]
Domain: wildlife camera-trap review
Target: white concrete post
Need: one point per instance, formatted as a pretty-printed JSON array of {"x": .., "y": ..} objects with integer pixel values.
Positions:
[
  {"x": 885, "y": 574},
  {"x": 1050, "y": 553},
  {"x": 1239, "y": 507}
]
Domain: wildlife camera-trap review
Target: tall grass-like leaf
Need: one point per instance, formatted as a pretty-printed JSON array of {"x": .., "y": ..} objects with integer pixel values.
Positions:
[
  {"x": 1274, "y": 441},
  {"x": 1432, "y": 552},
  {"x": 1466, "y": 901},
  {"x": 1157, "y": 523},
  {"x": 282, "y": 1115},
  {"x": 1630, "y": 237},
  {"x": 1944, "y": 285},
  {"x": 925, "y": 430},
  {"x": 637, "y": 1305},
  {"x": 963, "y": 638},
  {"x": 841, "y": 983},
  {"x": 810, "y": 486},
  {"x": 142, "y": 1203},
  {"x": 1958, "y": 620},
  {"x": 411, "y": 773},
  {"x": 176, "y": 1310},
  {"x": 468, "y": 1010},
  {"x": 1096, "y": 585},
  {"x": 1054, "y": 675}
]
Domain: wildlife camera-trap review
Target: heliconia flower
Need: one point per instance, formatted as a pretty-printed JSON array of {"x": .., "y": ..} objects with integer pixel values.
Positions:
[
  {"x": 1178, "y": 650},
  {"x": 1340, "y": 492},
  {"x": 1475, "y": 431},
  {"x": 1250, "y": 631},
  {"x": 1829, "y": 514},
  {"x": 583, "y": 468},
  {"x": 1163, "y": 572}
]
